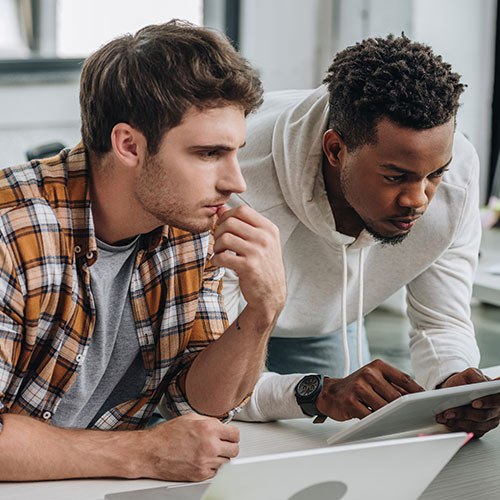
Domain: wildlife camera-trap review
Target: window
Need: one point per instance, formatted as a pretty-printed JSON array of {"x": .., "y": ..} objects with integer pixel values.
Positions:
[
  {"x": 69, "y": 29},
  {"x": 82, "y": 26}
]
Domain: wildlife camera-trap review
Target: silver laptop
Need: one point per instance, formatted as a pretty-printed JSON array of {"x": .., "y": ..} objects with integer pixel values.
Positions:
[{"x": 398, "y": 469}]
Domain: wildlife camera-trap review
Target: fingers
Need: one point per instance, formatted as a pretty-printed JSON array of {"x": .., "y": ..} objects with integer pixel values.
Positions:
[
  {"x": 467, "y": 413},
  {"x": 367, "y": 389},
  {"x": 249, "y": 244},
  {"x": 221, "y": 211},
  {"x": 386, "y": 383},
  {"x": 239, "y": 228},
  {"x": 373, "y": 401},
  {"x": 228, "y": 450},
  {"x": 371, "y": 381},
  {"x": 468, "y": 376},
  {"x": 243, "y": 213},
  {"x": 397, "y": 378},
  {"x": 479, "y": 417},
  {"x": 230, "y": 433},
  {"x": 478, "y": 424},
  {"x": 492, "y": 401}
]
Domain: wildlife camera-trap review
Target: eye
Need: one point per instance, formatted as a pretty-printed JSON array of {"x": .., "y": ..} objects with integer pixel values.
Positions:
[
  {"x": 394, "y": 178},
  {"x": 210, "y": 153},
  {"x": 439, "y": 173}
]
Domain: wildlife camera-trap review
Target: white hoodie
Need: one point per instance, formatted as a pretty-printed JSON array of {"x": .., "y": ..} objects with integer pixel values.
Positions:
[{"x": 333, "y": 279}]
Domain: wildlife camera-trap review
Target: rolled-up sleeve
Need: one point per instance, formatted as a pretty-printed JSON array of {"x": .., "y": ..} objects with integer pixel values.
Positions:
[{"x": 209, "y": 324}]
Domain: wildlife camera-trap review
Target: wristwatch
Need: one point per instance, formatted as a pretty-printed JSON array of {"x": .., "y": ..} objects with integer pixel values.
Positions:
[{"x": 306, "y": 393}]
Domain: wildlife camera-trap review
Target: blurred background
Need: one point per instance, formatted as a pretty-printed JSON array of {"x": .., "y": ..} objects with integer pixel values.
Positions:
[{"x": 291, "y": 42}]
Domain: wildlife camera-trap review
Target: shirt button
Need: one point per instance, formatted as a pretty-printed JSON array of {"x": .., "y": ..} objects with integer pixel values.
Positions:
[
  {"x": 89, "y": 255},
  {"x": 79, "y": 358},
  {"x": 46, "y": 415},
  {"x": 78, "y": 249}
]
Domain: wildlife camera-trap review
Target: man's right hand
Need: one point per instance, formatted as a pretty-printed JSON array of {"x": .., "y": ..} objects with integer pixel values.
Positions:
[
  {"x": 187, "y": 448},
  {"x": 249, "y": 244},
  {"x": 364, "y": 391}
]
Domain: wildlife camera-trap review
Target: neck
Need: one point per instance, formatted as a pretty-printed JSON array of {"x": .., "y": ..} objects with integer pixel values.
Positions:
[
  {"x": 347, "y": 221},
  {"x": 116, "y": 212}
]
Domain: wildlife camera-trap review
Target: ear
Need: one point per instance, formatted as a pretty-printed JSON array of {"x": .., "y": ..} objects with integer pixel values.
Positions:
[
  {"x": 129, "y": 145},
  {"x": 334, "y": 147}
]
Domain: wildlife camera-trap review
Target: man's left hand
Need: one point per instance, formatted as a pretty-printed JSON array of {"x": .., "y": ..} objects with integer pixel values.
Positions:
[{"x": 479, "y": 417}]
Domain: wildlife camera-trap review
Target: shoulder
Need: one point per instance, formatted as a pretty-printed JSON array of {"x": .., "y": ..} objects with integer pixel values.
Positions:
[
  {"x": 35, "y": 185},
  {"x": 29, "y": 180},
  {"x": 277, "y": 106},
  {"x": 32, "y": 202},
  {"x": 453, "y": 214},
  {"x": 464, "y": 168}
]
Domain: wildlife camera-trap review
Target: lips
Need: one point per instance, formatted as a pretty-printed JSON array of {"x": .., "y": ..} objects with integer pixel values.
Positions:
[
  {"x": 404, "y": 224},
  {"x": 213, "y": 208}
]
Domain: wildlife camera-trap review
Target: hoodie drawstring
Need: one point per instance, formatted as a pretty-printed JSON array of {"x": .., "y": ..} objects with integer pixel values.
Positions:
[
  {"x": 359, "y": 325},
  {"x": 359, "y": 322}
]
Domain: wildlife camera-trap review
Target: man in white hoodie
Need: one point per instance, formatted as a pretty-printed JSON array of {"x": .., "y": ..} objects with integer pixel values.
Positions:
[{"x": 348, "y": 172}]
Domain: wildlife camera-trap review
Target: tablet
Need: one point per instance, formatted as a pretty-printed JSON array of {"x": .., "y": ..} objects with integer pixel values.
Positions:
[{"x": 413, "y": 412}]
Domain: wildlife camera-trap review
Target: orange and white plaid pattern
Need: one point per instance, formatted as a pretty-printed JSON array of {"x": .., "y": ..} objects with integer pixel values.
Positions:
[{"x": 47, "y": 312}]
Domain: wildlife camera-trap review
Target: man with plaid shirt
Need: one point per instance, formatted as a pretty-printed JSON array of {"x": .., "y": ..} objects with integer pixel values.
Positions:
[{"x": 111, "y": 270}]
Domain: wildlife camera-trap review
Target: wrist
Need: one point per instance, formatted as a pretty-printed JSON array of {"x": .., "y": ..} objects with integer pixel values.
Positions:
[
  {"x": 129, "y": 453},
  {"x": 262, "y": 318},
  {"x": 443, "y": 382},
  {"x": 324, "y": 399},
  {"x": 307, "y": 391}
]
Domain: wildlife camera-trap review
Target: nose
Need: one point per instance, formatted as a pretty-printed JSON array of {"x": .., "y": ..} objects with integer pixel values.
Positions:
[
  {"x": 231, "y": 179},
  {"x": 415, "y": 195}
]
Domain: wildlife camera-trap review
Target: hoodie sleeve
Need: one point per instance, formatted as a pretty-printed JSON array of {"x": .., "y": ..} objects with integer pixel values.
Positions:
[
  {"x": 273, "y": 398},
  {"x": 442, "y": 339}
]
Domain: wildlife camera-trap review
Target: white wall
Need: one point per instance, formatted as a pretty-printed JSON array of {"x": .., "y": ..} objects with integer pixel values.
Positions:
[
  {"x": 285, "y": 39},
  {"x": 36, "y": 110},
  {"x": 463, "y": 31},
  {"x": 292, "y": 42}
]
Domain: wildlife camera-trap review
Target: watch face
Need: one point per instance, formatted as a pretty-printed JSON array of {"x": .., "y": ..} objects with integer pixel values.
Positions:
[{"x": 307, "y": 385}]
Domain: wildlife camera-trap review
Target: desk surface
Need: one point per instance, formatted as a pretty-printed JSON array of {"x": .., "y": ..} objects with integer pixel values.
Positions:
[
  {"x": 487, "y": 285},
  {"x": 474, "y": 472}
]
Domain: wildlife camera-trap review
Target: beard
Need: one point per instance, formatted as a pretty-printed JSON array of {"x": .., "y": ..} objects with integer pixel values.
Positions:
[
  {"x": 159, "y": 198},
  {"x": 386, "y": 240}
]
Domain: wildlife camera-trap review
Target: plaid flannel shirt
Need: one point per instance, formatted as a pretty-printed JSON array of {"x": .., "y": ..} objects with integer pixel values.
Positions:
[{"x": 47, "y": 312}]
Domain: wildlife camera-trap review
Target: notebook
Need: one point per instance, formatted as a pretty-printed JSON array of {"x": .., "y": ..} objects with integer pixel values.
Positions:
[{"x": 398, "y": 469}]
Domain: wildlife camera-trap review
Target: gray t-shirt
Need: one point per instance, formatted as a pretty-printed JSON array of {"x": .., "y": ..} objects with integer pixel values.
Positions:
[{"x": 113, "y": 370}]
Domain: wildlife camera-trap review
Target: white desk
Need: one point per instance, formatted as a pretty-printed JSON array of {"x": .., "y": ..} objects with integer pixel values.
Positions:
[
  {"x": 487, "y": 285},
  {"x": 474, "y": 472}
]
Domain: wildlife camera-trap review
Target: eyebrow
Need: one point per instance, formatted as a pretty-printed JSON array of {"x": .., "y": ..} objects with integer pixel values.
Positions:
[
  {"x": 395, "y": 168},
  {"x": 222, "y": 147}
]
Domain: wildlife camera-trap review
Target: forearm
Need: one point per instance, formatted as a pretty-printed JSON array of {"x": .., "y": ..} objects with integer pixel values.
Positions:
[
  {"x": 32, "y": 450},
  {"x": 224, "y": 373},
  {"x": 273, "y": 398}
]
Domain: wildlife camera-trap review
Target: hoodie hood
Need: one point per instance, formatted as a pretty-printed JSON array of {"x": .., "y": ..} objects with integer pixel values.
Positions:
[
  {"x": 329, "y": 280},
  {"x": 298, "y": 156}
]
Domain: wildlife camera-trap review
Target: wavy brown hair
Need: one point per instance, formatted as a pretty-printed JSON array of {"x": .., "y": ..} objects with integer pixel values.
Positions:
[{"x": 149, "y": 80}]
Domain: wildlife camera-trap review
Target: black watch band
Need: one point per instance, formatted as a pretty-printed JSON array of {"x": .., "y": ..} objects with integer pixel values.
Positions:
[{"x": 306, "y": 393}]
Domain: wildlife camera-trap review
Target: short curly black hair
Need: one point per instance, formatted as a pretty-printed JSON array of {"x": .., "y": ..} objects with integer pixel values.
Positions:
[{"x": 392, "y": 78}]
